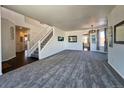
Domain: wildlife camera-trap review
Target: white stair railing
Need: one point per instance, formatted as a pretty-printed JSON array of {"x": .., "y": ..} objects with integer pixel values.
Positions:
[
  {"x": 48, "y": 37},
  {"x": 38, "y": 43},
  {"x": 38, "y": 37}
]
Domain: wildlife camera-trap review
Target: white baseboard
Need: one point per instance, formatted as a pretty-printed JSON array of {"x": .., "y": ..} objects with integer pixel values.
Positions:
[
  {"x": 98, "y": 51},
  {"x": 116, "y": 70},
  {"x": 9, "y": 58},
  {"x": 43, "y": 57}
]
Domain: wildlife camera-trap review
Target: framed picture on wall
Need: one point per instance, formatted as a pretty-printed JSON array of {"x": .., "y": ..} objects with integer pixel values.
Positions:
[
  {"x": 60, "y": 38},
  {"x": 72, "y": 39},
  {"x": 119, "y": 33},
  {"x": 110, "y": 36}
]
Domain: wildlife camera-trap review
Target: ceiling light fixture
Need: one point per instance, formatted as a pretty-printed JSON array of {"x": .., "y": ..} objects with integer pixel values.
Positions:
[{"x": 92, "y": 29}]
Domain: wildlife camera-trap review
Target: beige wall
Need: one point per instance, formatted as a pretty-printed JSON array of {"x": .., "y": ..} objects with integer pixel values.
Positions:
[
  {"x": 116, "y": 54},
  {"x": 8, "y": 45}
]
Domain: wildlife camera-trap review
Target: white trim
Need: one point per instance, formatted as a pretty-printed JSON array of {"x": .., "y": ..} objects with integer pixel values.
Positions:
[
  {"x": 51, "y": 55},
  {"x": 116, "y": 70},
  {"x": 1, "y": 73},
  {"x": 9, "y": 58},
  {"x": 7, "y": 20}
]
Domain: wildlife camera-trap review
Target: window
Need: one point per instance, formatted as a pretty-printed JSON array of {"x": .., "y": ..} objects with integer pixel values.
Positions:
[
  {"x": 102, "y": 38},
  {"x": 85, "y": 39}
]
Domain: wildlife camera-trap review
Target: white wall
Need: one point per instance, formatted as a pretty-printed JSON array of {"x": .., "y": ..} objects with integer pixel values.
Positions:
[
  {"x": 35, "y": 27},
  {"x": 8, "y": 45},
  {"x": 0, "y": 46},
  {"x": 53, "y": 46},
  {"x": 116, "y": 54},
  {"x": 79, "y": 44},
  {"x": 36, "y": 31},
  {"x": 76, "y": 45},
  {"x": 18, "y": 19}
]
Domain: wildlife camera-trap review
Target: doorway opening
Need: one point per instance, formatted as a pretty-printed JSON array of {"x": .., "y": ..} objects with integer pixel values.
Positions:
[
  {"x": 21, "y": 39},
  {"x": 86, "y": 43},
  {"x": 21, "y": 42}
]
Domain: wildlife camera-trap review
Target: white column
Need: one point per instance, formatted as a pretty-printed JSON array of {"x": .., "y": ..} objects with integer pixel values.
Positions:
[{"x": 0, "y": 46}]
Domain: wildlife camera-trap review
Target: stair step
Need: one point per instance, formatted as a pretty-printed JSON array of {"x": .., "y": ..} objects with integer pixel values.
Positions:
[
  {"x": 43, "y": 43},
  {"x": 42, "y": 47},
  {"x": 36, "y": 51},
  {"x": 36, "y": 48},
  {"x": 35, "y": 55}
]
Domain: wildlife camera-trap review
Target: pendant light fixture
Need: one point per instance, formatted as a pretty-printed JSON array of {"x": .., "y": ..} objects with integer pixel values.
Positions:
[{"x": 92, "y": 29}]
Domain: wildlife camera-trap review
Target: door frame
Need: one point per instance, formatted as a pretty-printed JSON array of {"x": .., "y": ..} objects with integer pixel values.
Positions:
[
  {"x": 88, "y": 35},
  {"x": 28, "y": 36}
]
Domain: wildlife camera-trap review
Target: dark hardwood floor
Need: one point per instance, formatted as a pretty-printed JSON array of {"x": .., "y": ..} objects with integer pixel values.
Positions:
[{"x": 19, "y": 61}]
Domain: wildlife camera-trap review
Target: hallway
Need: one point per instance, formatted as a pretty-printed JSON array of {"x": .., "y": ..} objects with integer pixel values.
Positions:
[{"x": 72, "y": 69}]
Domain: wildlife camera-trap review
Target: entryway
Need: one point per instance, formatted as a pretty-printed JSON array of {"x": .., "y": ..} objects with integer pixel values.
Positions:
[
  {"x": 21, "y": 59},
  {"x": 22, "y": 34}
]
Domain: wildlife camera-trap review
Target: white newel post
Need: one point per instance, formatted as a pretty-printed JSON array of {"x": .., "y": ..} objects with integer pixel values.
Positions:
[
  {"x": 39, "y": 48},
  {"x": 0, "y": 46},
  {"x": 28, "y": 48}
]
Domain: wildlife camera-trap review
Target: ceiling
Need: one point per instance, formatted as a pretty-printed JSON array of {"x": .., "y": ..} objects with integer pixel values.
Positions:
[{"x": 66, "y": 17}]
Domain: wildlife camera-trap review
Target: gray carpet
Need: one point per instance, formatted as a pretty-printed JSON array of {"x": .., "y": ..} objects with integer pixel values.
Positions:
[{"x": 67, "y": 69}]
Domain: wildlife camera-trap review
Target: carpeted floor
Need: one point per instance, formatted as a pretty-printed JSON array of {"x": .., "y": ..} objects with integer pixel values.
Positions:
[{"x": 67, "y": 69}]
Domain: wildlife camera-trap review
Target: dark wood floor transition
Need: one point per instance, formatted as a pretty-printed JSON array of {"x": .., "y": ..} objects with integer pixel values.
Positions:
[
  {"x": 19, "y": 61},
  {"x": 67, "y": 69}
]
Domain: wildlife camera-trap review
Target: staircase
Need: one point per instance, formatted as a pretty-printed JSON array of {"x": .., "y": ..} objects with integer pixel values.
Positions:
[{"x": 39, "y": 45}]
